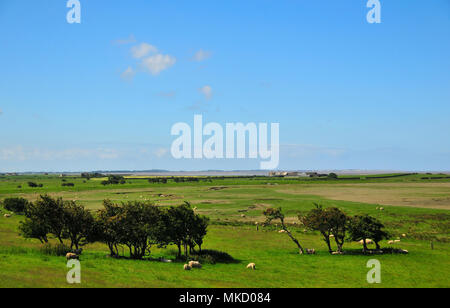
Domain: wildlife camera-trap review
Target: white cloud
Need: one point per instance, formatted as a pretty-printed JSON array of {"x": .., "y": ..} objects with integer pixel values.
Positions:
[
  {"x": 207, "y": 92},
  {"x": 201, "y": 55},
  {"x": 158, "y": 63},
  {"x": 128, "y": 74},
  {"x": 143, "y": 50},
  {"x": 19, "y": 153}
]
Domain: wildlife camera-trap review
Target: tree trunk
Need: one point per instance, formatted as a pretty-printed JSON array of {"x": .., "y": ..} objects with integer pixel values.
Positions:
[
  {"x": 364, "y": 246},
  {"x": 179, "y": 250},
  {"x": 327, "y": 240},
  {"x": 300, "y": 248}
]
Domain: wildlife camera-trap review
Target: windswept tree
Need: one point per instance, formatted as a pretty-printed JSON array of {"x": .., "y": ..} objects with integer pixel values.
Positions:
[
  {"x": 108, "y": 226},
  {"x": 367, "y": 227},
  {"x": 50, "y": 213},
  {"x": 139, "y": 227},
  {"x": 184, "y": 228},
  {"x": 339, "y": 225},
  {"x": 277, "y": 214},
  {"x": 317, "y": 220},
  {"x": 78, "y": 224},
  {"x": 34, "y": 228},
  {"x": 200, "y": 224},
  {"x": 329, "y": 221}
]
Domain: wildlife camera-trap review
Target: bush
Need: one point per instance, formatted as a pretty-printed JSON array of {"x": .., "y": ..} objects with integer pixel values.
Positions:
[
  {"x": 212, "y": 257},
  {"x": 58, "y": 250},
  {"x": 16, "y": 205},
  {"x": 32, "y": 184}
]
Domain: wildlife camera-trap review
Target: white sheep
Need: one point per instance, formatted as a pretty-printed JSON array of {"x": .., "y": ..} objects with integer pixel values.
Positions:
[
  {"x": 71, "y": 256},
  {"x": 7, "y": 215},
  {"x": 368, "y": 241},
  {"x": 187, "y": 267},
  {"x": 195, "y": 264},
  {"x": 311, "y": 251},
  {"x": 252, "y": 266}
]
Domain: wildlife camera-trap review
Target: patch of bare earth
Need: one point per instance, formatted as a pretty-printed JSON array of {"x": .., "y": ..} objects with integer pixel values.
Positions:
[{"x": 424, "y": 195}]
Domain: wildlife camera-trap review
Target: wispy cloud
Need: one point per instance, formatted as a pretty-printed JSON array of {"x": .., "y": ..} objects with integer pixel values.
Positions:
[
  {"x": 143, "y": 50},
  {"x": 158, "y": 63},
  {"x": 128, "y": 74},
  {"x": 130, "y": 40},
  {"x": 207, "y": 92},
  {"x": 20, "y": 153},
  {"x": 150, "y": 60},
  {"x": 201, "y": 55}
]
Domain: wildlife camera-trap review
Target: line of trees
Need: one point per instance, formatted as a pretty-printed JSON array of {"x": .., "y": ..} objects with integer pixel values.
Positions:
[
  {"x": 332, "y": 223},
  {"x": 137, "y": 226}
]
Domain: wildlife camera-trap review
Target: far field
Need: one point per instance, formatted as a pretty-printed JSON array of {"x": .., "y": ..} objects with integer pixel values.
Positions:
[{"x": 416, "y": 205}]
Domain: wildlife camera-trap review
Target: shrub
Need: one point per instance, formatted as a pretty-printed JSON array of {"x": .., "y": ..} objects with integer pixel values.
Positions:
[
  {"x": 16, "y": 205},
  {"x": 58, "y": 249},
  {"x": 212, "y": 257},
  {"x": 367, "y": 227},
  {"x": 32, "y": 184},
  {"x": 329, "y": 221}
]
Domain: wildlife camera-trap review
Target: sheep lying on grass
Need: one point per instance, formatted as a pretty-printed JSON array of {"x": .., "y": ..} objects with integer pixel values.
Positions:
[
  {"x": 195, "y": 264},
  {"x": 187, "y": 267},
  {"x": 7, "y": 215},
  {"x": 368, "y": 241},
  {"x": 71, "y": 256}
]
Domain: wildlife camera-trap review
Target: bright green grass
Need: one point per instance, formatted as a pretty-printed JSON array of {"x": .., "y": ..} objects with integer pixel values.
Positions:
[{"x": 278, "y": 264}]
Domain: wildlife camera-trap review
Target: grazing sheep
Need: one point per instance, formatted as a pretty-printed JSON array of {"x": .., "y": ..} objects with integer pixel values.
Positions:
[
  {"x": 368, "y": 241},
  {"x": 381, "y": 208},
  {"x": 195, "y": 264},
  {"x": 71, "y": 256},
  {"x": 311, "y": 251},
  {"x": 7, "y": 215},
  {"x": 404, "y": 251},
  {"x": 391, "y": 242},
  {"x": 403, "y": 235},
  {"x": 187, "y": 267},
  {"x": 282, "y": 231},
  {"x": 252, "y": 266},
  {"x": 243, "y": 216}
]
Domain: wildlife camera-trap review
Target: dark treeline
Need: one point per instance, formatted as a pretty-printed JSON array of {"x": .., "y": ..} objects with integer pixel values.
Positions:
[{"x": 133, "y": 226}]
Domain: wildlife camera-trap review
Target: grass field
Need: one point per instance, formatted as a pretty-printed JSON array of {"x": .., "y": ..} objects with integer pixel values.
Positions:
[{"x": 416, "y": 204}]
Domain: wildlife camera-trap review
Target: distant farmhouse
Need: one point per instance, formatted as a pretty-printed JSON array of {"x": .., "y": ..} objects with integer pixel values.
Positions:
[
  {"x": 288, "y": 174},
  {"x": 296, "y": 174}
]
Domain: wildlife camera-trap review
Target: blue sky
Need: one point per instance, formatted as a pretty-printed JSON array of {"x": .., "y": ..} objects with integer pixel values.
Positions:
[{"x": 347, "y": 94}]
